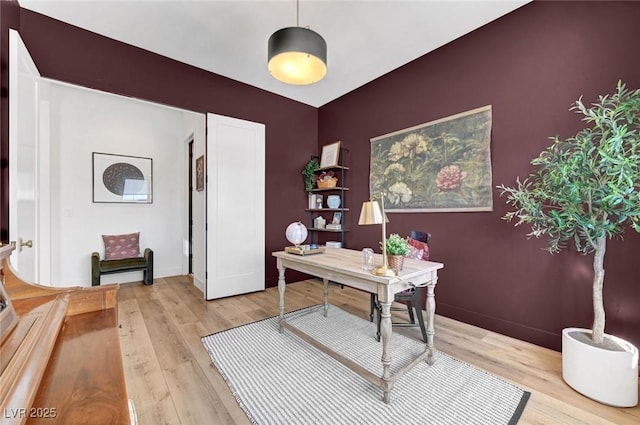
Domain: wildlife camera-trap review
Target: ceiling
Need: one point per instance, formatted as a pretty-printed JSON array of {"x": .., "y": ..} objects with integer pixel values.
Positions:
[{"x": 365, "y": 39}]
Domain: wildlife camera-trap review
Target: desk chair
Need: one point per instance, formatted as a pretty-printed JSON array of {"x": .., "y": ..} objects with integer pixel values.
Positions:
[{"x": 411, "y": 297}]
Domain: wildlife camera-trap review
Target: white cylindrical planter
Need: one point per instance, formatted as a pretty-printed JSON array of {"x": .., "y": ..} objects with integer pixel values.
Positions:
[{"x": 607, "y": 376}]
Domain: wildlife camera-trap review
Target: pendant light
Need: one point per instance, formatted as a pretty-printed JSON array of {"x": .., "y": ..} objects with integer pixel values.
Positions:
[{"x": 297, "y": 55}]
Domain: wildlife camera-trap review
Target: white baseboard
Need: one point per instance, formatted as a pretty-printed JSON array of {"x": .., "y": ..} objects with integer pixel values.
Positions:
[{"x": 198, "y": 284}]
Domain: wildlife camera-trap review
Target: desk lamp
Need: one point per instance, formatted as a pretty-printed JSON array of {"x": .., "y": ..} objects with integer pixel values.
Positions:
[{"x": 372, "y": 212}]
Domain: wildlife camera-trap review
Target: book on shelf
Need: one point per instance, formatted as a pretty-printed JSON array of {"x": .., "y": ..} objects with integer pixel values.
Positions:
[
  {"x": 315, "y": 201},
  {"x": 332, "y": 226},
  {"x": 332, "y": 244}
]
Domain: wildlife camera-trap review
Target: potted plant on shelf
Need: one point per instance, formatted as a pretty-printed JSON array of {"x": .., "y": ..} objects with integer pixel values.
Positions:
[
  {"x": 397, "y": 248},
  {"x": 586, "y": 189},
  {"x": 308, "y": 174}
]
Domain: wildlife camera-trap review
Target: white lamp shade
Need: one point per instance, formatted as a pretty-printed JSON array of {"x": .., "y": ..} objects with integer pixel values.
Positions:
[{"x": 371, "y": 213}]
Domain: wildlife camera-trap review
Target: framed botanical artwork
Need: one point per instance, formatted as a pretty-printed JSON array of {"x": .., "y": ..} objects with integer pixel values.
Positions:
[
  {"x": 200, "y": 173},
  {"x": 330, "y": 155},
  {"x": 443, "y": 165},
  {"x": 122, "y": 179}
]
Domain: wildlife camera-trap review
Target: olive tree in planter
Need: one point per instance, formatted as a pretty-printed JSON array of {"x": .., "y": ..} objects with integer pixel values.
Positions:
[{"x": 586, "y": 189}]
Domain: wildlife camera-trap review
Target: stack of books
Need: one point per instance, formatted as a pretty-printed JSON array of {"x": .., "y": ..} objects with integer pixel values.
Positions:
[
  {"x": 315, "y": 201},
  {"x": 331, "y": 244}
]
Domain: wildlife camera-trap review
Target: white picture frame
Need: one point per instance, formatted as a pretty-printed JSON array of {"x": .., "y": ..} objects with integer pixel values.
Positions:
[
  {"x": 330, "y": 155},
  {"x": 337, "y": 218}
]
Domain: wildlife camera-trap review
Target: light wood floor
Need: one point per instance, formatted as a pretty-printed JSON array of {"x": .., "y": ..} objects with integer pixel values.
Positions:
[{"x": 171, "y": 380}]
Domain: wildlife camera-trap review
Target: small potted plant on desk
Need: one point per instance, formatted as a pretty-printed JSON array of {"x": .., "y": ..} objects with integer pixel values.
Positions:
[{"x": 397, "y": 248}]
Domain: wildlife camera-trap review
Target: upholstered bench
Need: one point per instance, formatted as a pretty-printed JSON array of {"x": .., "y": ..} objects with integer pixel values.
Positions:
[
  {"x": 122, "y": 254},
  {"x": 100, "y": 267}
]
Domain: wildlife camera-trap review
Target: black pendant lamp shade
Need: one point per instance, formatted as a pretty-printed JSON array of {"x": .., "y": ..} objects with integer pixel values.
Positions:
[{"x": 297, "y": 56}]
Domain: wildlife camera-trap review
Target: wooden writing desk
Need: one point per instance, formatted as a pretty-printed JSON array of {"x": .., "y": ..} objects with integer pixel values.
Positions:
[{"x": 344, "y": 266}]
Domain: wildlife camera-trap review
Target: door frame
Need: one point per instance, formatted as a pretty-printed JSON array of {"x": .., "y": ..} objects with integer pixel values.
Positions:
[{"x": 190, "y": 144}]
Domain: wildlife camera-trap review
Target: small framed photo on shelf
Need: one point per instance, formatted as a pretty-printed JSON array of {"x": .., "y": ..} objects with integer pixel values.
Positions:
[
  {"x": 330, "y": 155},
  {"x": 337, "y": 218}
]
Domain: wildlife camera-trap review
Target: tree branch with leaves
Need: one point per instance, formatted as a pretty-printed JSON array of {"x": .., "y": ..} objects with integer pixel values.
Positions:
[{"x": 586, "y": 189}]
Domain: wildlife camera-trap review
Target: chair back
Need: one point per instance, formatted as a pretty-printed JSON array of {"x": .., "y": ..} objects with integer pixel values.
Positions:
[
  {"x": 420, "y": 240},
  {"x": 421, "y": 236}
]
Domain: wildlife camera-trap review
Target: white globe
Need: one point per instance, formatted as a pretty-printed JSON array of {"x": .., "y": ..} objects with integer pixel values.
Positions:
[{"x": 296, "y": 233}]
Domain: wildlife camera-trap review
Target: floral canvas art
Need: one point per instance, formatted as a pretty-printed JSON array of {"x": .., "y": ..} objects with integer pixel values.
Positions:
[{"x": 443, "y": 165}]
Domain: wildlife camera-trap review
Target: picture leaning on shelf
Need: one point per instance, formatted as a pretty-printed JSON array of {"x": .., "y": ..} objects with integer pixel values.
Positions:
[{"x": 330, "y": 155}]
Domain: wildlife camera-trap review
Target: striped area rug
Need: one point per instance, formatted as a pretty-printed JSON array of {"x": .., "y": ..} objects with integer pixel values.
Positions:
[{"x": 279, "y": 379}]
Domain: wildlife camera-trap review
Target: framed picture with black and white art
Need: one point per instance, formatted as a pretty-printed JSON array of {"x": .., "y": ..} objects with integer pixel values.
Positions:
[{"x": 122, "y": 179}]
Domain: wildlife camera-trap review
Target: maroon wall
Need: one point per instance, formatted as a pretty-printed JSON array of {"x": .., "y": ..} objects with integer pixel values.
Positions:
[{"x": 530, "y": 65}]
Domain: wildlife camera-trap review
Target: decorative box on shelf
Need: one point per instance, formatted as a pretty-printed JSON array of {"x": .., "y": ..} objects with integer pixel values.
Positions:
[
  {"x": 332, "y": 244},
  {"x": 332, "y": 226},
  {"x": 319, "y": 222}
]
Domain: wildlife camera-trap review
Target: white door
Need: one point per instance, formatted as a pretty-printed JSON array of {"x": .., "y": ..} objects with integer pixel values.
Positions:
[
  {"x": 235, "y": 193},
  {"x": 23, "y": 158}
]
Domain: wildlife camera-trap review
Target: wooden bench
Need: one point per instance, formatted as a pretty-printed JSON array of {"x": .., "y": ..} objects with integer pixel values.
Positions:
[{"x": 100, "y": 267}]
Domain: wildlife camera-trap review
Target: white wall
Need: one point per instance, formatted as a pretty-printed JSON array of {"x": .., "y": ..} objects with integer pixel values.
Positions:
[{"x": 83, "y": 121}]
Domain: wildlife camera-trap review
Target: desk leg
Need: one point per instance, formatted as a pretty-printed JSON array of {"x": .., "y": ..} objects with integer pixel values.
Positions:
[
  {"x": 281, "y": 288},
  {"x": 385, "y": 331},
  {"x": 326, "y": 296},
  {"x": 431, "y": 312}
]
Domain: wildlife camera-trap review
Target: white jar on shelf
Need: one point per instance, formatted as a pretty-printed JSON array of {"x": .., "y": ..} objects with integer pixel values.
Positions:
[{"x": 333, "y": 201}]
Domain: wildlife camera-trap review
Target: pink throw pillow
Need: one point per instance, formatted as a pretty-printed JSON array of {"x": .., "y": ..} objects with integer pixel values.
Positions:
[
  {"x": 118, "y": 247},
  {"x": 420, "y": 245},
  {"x": 414, "y": 253}
]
